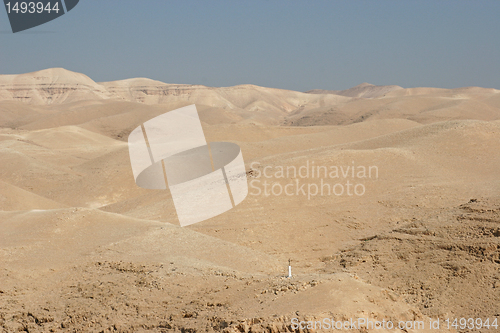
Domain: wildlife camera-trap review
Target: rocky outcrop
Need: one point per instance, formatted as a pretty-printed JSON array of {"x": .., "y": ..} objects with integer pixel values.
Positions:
[{"x": 55, "y": 85}]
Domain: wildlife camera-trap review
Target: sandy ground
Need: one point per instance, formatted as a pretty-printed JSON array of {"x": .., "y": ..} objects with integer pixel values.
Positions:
[{"x": 83, "y": 249}]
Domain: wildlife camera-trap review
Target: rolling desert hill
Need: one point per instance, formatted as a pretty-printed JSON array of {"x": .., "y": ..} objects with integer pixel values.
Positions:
[
  {"x": 387, "y": 205},
  {"x": 55, "y": 85},
  {"x": 363, "y": 90}
]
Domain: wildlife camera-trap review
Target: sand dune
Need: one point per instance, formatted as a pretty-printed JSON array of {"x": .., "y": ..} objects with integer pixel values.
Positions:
[{"x": 82, "y": 248}]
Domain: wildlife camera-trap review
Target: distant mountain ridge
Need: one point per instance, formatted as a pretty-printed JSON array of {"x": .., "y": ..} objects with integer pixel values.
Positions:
[
  {"x": 56, "y": 91},
  {"x": 53, "y": 85},
  {"x": 363, "y": 90},
  {"x": 57, "y": 86}
]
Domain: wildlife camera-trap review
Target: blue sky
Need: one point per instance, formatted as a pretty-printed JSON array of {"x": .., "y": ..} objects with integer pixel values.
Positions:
[{"x": 298, "y": 45}]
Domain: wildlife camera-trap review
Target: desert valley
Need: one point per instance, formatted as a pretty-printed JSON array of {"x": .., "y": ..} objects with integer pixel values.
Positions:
[{"x": 84, "y": 249}]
